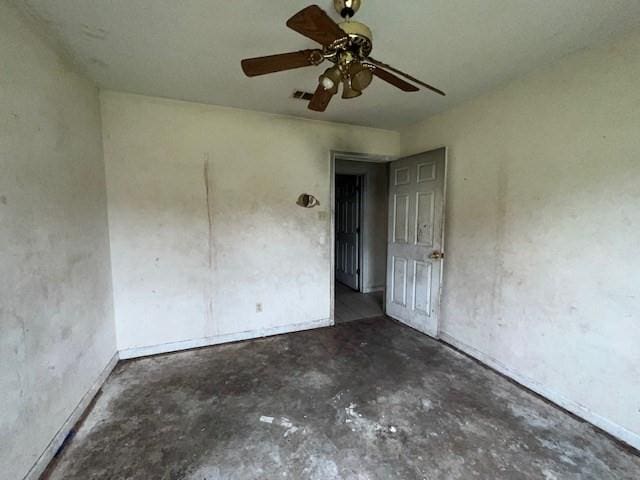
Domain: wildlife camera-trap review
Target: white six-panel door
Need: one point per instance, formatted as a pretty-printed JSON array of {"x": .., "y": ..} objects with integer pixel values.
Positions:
[{"x": 415, "y": 246}]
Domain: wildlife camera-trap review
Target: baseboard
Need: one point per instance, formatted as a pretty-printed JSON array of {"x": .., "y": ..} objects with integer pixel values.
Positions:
[
  {"x": 138, "y": 352},
  {"x": 373, "y": 289},
  {"x": 45, "y": 458},
  {"x": 43, "y": 461},
  {"x": 617, "y": 431}
]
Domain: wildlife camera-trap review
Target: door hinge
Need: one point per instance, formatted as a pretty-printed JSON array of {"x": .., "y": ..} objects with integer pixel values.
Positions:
[{"x": 358, "y": 271}]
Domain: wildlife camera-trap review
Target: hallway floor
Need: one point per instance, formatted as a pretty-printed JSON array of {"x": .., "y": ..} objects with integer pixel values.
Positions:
[
  {"x": 351, "y": 305},
  {"x": 363, "y": 400}
]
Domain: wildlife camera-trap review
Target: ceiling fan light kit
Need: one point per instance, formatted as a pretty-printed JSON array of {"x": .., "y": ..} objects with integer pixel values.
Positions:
[
  {"x": 347, "y": 45},
  {"x": 360, "y": 76},
  {"x": 331, "y": 79},
  {"x": 348, "y": 91}
]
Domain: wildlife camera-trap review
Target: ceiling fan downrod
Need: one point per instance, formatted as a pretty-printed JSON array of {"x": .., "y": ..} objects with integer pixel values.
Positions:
[{"x": 347, "y": 8}]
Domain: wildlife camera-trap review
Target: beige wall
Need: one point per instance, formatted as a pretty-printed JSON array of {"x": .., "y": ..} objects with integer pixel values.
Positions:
[
  {"x": 204, "y": 223},
  {"x": 57, "y": 331},
  {"x": 542, "y": 275}
]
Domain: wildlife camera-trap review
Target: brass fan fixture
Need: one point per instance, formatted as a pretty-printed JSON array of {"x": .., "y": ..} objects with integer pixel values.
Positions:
[{"x": 347, "y": 45}]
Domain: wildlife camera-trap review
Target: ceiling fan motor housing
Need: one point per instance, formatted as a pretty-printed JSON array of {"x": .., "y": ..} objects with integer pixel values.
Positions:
[{"x": 360, "y": 36}]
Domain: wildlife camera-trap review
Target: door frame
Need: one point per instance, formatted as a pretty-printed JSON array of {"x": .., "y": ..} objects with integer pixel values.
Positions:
[
  {"x": 356, "y": 157},
  {"x": 444, "y": 226}
]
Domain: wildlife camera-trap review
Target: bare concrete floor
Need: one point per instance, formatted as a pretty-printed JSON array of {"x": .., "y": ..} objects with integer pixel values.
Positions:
[
  {"x": 364, "y": 400},
  {"x": 351, "y": 305}
]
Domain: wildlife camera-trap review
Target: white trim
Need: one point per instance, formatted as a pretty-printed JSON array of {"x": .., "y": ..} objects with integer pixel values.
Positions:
[
  {"x": 54, "y": 445},
  {"x": 137, "y": 352},
  {"x": 362, "y": 196},
  {"x": 618, "y": 431},
  {"x": 443, "y": 246},
  {"x": 332, "y": 238},
  {"x": 45, "y": 458},
  {"x": 361, "y": 157}
]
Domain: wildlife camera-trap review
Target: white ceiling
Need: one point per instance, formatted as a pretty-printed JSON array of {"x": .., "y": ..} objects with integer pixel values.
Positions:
[{"x": 191, "y": 49}]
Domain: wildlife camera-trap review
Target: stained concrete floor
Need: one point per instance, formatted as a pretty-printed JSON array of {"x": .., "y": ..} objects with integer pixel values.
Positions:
[
  {"x": 351, "y": 305},
  {"x": 364, "y": 400}
]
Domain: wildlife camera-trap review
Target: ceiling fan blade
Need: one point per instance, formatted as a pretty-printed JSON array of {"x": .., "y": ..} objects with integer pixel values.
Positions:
[
  {"x": 395, "y": 81},
  {"x": 284, "y": 61},
  {"x": 314, "y": 23},
  {"x": 321, "y": 99},
  {"x": 406, "y": 75}
]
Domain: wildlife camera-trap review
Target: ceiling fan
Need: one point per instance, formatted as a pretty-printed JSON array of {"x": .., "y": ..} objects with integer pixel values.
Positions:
[{"x": 347, "y": 45}]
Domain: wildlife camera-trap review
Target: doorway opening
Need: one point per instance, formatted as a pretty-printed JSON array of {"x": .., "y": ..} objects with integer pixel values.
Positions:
[
  {"x": 388, "y": 231},
  {"x": 360, "y": 233},
  {"x": 348, "y": 230}
]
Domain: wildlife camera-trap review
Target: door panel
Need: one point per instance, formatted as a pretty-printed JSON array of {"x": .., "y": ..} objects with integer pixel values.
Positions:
[
  {"x": 399, "y": 279},
  {"x": 427, "y": 171},
  {"x": 422, "y": 287},
  {"x": 402, "y": 176},
  {"x": 401, "y": 219},
  {"x": 415, "y": 244},
  {"x": 425, "y": 213},
  {"x": 348, "y": 230}
]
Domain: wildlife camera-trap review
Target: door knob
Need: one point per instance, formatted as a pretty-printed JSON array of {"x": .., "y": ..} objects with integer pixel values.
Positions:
[{"x": 437, "y": 256}]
